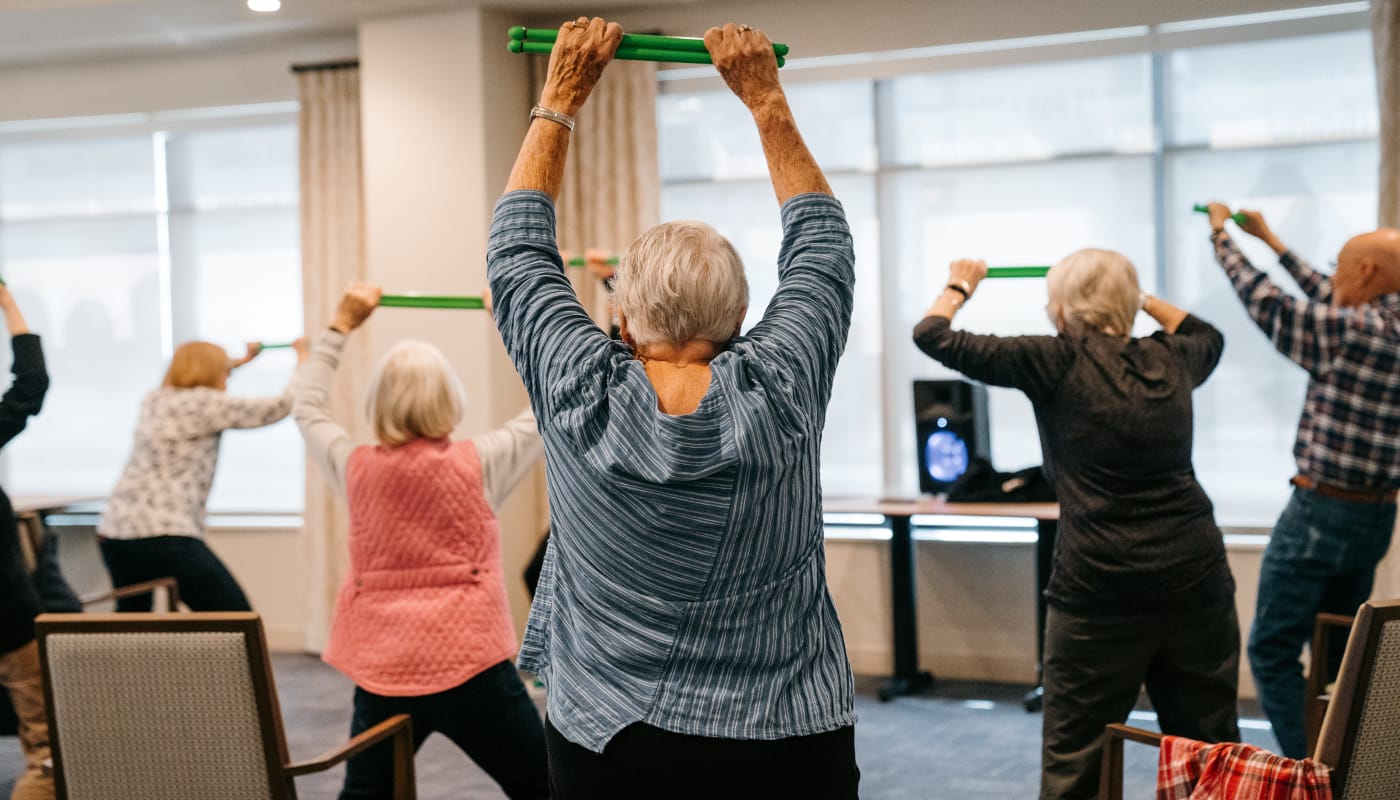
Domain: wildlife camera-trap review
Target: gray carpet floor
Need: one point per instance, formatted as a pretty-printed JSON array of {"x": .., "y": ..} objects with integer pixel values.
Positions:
[{"x": 959, "y": 741}]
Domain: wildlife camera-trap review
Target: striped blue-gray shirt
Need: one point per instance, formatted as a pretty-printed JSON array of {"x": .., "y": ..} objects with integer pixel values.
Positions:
[{"x": 685, "y": 581}]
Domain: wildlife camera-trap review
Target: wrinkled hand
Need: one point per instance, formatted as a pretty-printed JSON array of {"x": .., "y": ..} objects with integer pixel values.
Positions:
[
  {"x": 581, "y": 51},
  {"x": 1219, "y": 212},
  {"x": 1254, "y": 224},
  {"x": 744, "y": 58},
  {"x": 251, "y": 352},
  {"x": 967, "y": 272},
  {"x": 358, "y": 302},
  {"x": 302, "y": 348},
  {"x": 486, "y": 300}
]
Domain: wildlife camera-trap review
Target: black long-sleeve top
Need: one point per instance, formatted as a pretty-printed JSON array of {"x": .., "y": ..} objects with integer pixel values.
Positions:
[
  {"x": 18, "y": 604},
  {"x": 1137, "y": 532}
]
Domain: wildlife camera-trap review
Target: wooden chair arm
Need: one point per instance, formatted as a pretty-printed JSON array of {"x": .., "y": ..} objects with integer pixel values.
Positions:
[
  {"x": 399, "y": 728},
  {"x": 1111, "y": 776},
  {"x": 169, "y": 585},
  {"x": 1315, "y": 701}
]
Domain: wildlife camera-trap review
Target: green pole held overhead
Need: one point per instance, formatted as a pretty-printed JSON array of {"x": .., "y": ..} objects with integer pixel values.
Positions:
[
  {"x": 642, "y": 40},
  {"x": 579, "y": 261},
  {"x": 633, "y": 52},
  {"x": 1017, "y": 272},
  {"x": 429, "y": 301},
  {"x": 1237, "y": 216}
]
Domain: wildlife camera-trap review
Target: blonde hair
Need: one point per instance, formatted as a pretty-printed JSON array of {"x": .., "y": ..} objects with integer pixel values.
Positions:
[
  {"x": 681, "y": 281},
  {"x": 198, "y": 364},
  {"x": 1093, "y": 290},
  {"x": 414, "y": 394}
]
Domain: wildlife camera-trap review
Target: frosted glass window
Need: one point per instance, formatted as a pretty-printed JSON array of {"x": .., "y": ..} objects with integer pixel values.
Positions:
[
  {"x": 1315, "y": 198},
  {"x": 91, "y": 290},
  {"x": 711, "y": 135},
  {"x": 240, "y": 281},
  {"x": 747, "y": 214},
  {"x": 1276, "y": 91},
  {"x": 1019, "y": 113},
  {"x": 111, "y": 278},
  {"x": 1004, "y": 215},
  {"x": 77, "y": 177},
  {"x": 237, "y": 167}
]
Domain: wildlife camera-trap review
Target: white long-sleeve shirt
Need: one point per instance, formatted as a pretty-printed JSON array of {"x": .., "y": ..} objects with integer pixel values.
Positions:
[
  {"x": 166, "y": 482},
  {"x": 507, "y": 454}
]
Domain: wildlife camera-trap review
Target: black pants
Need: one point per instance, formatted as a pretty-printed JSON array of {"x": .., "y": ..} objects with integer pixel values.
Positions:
[
  {"x": 645, "y": 763},
  {"x": 205, "y": 583},
  {"x": 490, "y": 717},
  {"x": 1095, "y": 666}
]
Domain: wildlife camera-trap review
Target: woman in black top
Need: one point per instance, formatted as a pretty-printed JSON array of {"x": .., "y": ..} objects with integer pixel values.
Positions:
[
  {"x": 1140, "y": 592},
  {"x": 19, "y": 655}
]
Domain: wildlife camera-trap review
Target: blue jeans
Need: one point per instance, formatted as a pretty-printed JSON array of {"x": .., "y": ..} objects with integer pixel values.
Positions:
[
  {"x": 491, "y": 717},
  {"x": 1321, "y": 558}
]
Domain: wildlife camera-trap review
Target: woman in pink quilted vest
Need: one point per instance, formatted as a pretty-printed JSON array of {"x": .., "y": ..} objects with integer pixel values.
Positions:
[{"x": 422, "y": 625}]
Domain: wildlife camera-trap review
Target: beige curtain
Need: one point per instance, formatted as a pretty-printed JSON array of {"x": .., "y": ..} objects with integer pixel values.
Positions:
[
  {"x": 1385, "y": 31},
  {"x": 332, "y": 255},
  {"x": 612, "y": 185}
]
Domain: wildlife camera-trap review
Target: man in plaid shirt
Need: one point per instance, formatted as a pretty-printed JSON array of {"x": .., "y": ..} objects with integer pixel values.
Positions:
[{"x": 1323, "y": 552}]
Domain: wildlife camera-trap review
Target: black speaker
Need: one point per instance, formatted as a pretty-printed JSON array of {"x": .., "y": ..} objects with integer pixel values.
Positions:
[{"x": 950, "y": 421}]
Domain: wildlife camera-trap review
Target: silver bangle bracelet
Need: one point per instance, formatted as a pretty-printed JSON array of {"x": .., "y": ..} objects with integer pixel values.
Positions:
[{"x": 552, "y": 115}]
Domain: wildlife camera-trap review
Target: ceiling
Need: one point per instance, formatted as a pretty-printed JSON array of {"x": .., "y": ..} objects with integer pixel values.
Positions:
[{"x": 35, "y": 32}]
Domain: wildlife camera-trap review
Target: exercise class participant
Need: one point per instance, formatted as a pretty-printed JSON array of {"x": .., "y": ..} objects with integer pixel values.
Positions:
[
  {"x": 1323, "y": 551},
  {"x": 422, "y": 624},
  {"x": 19, "y": 653},
  {"x": 1140, "y": 593},
  {"x": 682, "y": 622},
  {"x": 154, "y": 523}
]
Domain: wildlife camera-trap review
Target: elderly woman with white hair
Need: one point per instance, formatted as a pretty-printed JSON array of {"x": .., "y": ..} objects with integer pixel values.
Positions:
[
  {"x": 1140, "y": 592},
  {"x": 682, "y": 622},
  {"x": 422, "y": 624}
]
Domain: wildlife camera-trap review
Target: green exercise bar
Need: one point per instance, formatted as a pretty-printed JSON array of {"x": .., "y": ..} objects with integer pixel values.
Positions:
[
  {"x": 278, "y": 346},
  {"x": 1237, "y": 216},
  {"x": 429, "y": 301},
  {"x": 1017, "y": 272},
  {"x": 627, "y": 53},
  {"x": 579, "y": 261},
  {"x": 639, "y": 40}
]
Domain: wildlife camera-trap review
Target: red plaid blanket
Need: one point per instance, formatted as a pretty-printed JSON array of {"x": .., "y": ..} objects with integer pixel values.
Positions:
[{"x": 1192, "y": 770}]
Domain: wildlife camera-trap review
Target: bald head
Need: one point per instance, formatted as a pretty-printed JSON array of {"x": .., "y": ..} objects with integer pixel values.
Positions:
[{"x": 1367, "y": 267}]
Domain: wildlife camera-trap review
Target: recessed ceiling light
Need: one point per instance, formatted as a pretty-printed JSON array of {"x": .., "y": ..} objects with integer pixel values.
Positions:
[{"x": 265, "y": 6}]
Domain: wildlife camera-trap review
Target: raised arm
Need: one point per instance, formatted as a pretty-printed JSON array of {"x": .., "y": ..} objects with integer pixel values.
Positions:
[
  {"x": 226, "y": 412},
  {"x": 327, "y": 441},
  {"x": 25, "y": 396},
  {"x": 1310, "y": 333},
  {"x": 745, "y": 59},
  {"x": 576, "y": 62},
  {"x": 543, "y": 326},
  {"x": 1033, "y": 364},
  {"x": 1314, "y": 284},
  {"x": 1167, "y": 315},
  {"x": 507, "y": 455}
]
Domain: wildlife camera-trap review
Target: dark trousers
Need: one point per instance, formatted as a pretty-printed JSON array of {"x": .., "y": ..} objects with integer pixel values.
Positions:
[
  {"x": 1095, "y": 666},
  {"x": 205, "y": 584},
  {"x": 1321, "y": 557},
  {"x": 490, "y": 717},
  {"x": 645, "y": 763}
]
